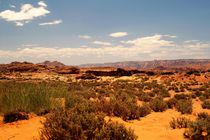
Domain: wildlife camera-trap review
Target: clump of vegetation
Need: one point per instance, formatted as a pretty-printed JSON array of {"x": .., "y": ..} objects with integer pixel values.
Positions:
[
  {"x": 179, "y": 123},
  {"x": 172, "y": 102},
  {"x": 15, "y": 116},
  {"x": 182, "y": 96},
  {"x": 158, "y": 105},
  {"x": 206, "y": 104},
  {"x": 69, "y": 124},
  {"x": 144, "y": 110},
  {"x": 199, "y": 129},
  {"x": 184, "y": 106},
  {"x": 30, "y": 97},
  {"x": 195, "y": 130},
  {"x": 203, "y": 116},
  {"x": 116, "y": 131},
  {"x": 144, "y": 97},
  {"x": 128, "y": 110}
]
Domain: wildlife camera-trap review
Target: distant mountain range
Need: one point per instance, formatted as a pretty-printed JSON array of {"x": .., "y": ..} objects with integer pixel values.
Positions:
[
  {"x": 53, "y": 63},
  {"x": 157, "y": 64}
]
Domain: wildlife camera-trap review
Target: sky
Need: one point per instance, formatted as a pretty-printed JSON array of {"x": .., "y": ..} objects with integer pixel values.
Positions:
[{"x": 97, "y": 31}]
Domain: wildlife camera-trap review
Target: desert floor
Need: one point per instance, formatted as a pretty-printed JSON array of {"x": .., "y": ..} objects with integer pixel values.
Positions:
[{"x": 152, "y": 127}]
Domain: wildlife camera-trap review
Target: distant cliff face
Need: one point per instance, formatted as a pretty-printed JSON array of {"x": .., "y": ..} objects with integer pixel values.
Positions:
[
  {"x": 53, "y": 63},
  {"x": 46, "y": 66},
  {"x": 157, "y": 64}
]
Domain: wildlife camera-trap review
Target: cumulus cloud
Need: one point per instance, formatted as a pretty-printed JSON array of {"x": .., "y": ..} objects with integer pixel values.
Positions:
[
  {"x": 55, "y": 22},
  {"x": 84, "y": 36},
  {"x": 27, "y": 13},
  {"x": 159, "y": 48},
  {"x": 12, "y": 6},
  {"x": 102, "y": 43},
  {"x": 150, "y": 43},
  {"x": 118, "y": 34},
  {"x": 42, "y": 3}
]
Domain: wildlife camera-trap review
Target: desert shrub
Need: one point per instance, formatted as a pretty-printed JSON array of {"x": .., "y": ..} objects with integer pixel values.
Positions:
[
  {"x": 144, "y": 110},
  {"x": 202, "y": 98},
  {"x": 206, "y": 104},
  {"x": 194, "y": 96},
  {"x": 158, "y": 105},
  {"x": 73, "y": 100},
  {"x": 64, "y": 125},
  {"x": 151, "y": 94},
  {"x": 206, "y": 94},
  {"x": 161, "y": 91},
  {"x": 144, "y": 97},
  {"x": 126, "y": 110},
  {"x": 198, "y": 130},
  {"x": 115, "y": 131},
  {"x": 68, "y": 124},
  {"x": 172, "y": 102},
  {"x": 180, "y": 122},
  {"x": 184, "y": 106},
  {"x": 182, "y": 96},
  {"x": 164, "y": 93},
  {"x": 203, "y": 116},
  {"x": 15, "y": 116}
]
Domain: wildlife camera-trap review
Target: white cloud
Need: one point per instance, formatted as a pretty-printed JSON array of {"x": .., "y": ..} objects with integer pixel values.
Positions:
[
  {"x": 12, "y": 6},
  {"x": 102, "y": 43},
  {"x": 42, "y": 3},
  {"x": 150, "y": 43},
  {"x": 157, "y": 48},
  {"x": 27, "y": 13},
  {"x": 170, "y": 36},
  {"x": 118, "y": 34},
  {"x": 51, "y": 23},
  {"x": 84, "y": 36},
  {"x": 29, "y": 45},
  {"x": 19, "y": 24}
]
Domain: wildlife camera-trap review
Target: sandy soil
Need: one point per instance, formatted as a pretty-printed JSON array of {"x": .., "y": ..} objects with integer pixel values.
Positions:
[
  {"x": 21, "y": 130},
  {"x": 152, "y": 127},
  {"x": 155, "y": 126}
]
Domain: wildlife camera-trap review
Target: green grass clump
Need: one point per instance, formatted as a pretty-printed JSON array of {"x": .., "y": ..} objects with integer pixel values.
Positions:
[{"x": 30, "y": 97}]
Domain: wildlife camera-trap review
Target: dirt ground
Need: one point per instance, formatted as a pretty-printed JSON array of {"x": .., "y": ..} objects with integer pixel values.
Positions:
[
  {"x": 21, "y": 130},
  {"x": 152, "y": 127},
  {"x": 155, "y": 126}
]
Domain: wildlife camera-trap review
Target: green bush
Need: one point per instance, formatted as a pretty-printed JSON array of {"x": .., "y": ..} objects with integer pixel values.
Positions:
[
  {"x": 203, "y": 116},
  {"x": 144, "y": 97},
  {"x": 206, "y": 104},
  {"x": 158, "y": 105},
  {"x": 198, "y": 130},
  {"x": 115, "y": 131},
  {"x": 70, "y": 124},
  {"x": 144, "y": 110},
  {"x": 180, "y": 122},
  {"x": 182, "y": 96},
  {"x": 184, "y": 106},
  {"x": 172, "y": 102},
  {"x": 126, "y": 110}
]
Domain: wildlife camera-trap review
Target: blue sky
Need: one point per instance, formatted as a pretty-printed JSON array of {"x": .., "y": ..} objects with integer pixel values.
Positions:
[{"x": 96, "y": 31}]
